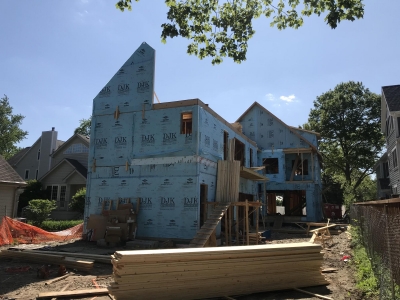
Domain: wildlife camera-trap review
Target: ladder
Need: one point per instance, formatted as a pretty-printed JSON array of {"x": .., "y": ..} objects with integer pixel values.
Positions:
[{"x": 209, "y": 226}]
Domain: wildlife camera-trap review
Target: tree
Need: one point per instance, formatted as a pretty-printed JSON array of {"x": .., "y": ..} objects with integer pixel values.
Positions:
[
  {"x": 348, "y": 119},
  {"x": 10, "y": 133},
  {"x": 33, "y": 190},
  {"x": 39, "y": 210},
  {"x": 84, "y": 127},
  {"x": 220, "y": 29},
  {"x": 78, "y": 201}
]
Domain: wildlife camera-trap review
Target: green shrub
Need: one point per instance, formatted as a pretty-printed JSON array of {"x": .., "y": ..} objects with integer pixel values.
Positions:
[
  {"x": 32, "y": 191},
  {"x": 52, "y": 225},
  {"x": 78, "y": 201},
  {"x": 39, "y": 210}
]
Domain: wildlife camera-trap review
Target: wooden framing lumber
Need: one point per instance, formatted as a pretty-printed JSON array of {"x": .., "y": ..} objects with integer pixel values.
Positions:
[
  {"x": 313, "y": 294},
  {"x": 76, "y": 293},
  {"x": 212, "y": 272}
]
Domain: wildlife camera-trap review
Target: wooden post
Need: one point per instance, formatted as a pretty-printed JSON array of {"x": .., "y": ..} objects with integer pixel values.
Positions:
[
  {"x": 237, "y": 224},
  {"x": 265, "y": 203},
  {"x": 226, "y": 229},
  {"x": 137, "y": 207},
  {"x": 312, "y": 166},
  {"x": 302, "y": 167},
  {"x": 247, "y": 222},
  {"x": 257, "y": 212},
  {"x": 230, "y": 225}
]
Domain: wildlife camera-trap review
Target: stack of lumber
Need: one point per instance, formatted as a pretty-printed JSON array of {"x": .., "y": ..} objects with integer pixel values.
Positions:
[
  {"x": 80, "y": 264},
  {"x": 196, "y": 273}
]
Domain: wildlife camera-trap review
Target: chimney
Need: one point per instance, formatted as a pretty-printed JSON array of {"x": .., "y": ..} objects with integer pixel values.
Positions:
[{"x": 52, "y": 128}]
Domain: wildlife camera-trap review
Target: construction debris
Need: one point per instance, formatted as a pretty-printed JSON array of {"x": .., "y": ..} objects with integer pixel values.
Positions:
[{"x": 195, "y": 273}]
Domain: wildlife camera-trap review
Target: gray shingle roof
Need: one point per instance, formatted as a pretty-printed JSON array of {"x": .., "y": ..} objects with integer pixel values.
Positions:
[
  {"x": 78, "y": 166},
  {"x": 7, "y": 173},
  {"x": 392, "y": 96}
]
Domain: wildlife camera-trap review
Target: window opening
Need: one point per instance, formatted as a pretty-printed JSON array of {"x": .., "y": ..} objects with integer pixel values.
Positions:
[
  {"x": 239, "y": 152},
  {"x": 301, "y": 168},
  {"x": 271, "y": 165},
  {"x": 186, "y": 123},
  {"x": 394, "y": 158},
  {"x": 63, "y": 190},
  {"x": 26, "y": 174}
]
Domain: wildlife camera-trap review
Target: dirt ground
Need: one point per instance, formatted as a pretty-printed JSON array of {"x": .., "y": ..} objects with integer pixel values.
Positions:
[{"x": 26, "y": 285}]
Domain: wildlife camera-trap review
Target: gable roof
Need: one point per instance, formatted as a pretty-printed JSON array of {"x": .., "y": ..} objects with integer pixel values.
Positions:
[
  {"x": 17, "y": 156},
  {"x": 8, "y": 174},
  {"x": 283, "y": 123},
  {"x": 78, "y": 167},
  {"x": 83, "y": 138},
  {"x": 392, "y": 96}
]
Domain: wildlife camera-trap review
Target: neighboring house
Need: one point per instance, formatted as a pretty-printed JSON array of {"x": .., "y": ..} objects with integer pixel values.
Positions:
[
  {"x": 390, "y": 126},
  {"x": 67, "y": 174},
  {"x": 381, "y": 169},
  {"x": 164, "y": 156},
  {"x": 291, "y": 160},
  {"x": 11, "y": 185},
  {"x": 61, "y": 167},
  {"x": 35, "y": 161}
]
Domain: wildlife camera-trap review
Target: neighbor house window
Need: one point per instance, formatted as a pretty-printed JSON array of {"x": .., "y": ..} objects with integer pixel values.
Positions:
[
  {"x": 301, "y": 168},
  {"x": 385, "y": 170},
  {"x": 394, "y": 158},
  {"x": 77, "y": 148},
  {"x": 37, "y": 173},
  {"x": 38, "y": 154},
  {"x": 58, "y": 194},
  {"x": 271, "y": 165},
  {"x": 186, "y": 123},
  {"x": 26, "y": 174}
]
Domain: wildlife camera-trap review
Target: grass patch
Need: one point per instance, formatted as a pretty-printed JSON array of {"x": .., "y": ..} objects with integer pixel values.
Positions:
[{"x": 367, "y": 281}]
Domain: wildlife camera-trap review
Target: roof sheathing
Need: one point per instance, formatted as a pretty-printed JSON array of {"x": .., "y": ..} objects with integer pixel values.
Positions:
[
  {"x": 192, "y": 102},
  {"x": 280, "y": 121}
]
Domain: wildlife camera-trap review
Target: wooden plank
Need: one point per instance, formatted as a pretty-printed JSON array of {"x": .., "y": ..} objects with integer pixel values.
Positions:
[
  {"x": 264, "y": 249},
  {"x": 313, "y": 294},
  {"x": 237, "y": 224},
  {"x": 247, "y": 221},
  {"x": 76, "y": 293}
]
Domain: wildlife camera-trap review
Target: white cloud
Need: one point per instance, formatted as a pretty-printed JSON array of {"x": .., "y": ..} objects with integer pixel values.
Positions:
[
  {"x": 288, "y": 99},
  {"x": 270, "y": 97}
]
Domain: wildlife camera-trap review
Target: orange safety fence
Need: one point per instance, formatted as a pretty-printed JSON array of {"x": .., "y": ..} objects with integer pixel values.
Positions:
[{"x": 12, "y": 231}]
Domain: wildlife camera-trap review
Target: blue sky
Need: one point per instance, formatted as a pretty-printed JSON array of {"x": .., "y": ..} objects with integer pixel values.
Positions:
[{"x": 55, "y": 56}]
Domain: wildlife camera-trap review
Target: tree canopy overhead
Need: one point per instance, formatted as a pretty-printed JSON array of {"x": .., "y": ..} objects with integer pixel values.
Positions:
[
  {"x": 222, "y": 28},
  {"x": 348, "y": 119},
  {"x": 84, "y": 127},
  {"x": 10, "y": 131}
]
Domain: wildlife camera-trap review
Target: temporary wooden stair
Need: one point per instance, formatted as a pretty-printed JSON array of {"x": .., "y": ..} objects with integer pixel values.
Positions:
[{"x": 209, "y": 226}]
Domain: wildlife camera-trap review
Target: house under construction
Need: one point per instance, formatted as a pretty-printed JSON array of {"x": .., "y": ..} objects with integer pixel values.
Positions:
[{"x": 167, "y": 158}]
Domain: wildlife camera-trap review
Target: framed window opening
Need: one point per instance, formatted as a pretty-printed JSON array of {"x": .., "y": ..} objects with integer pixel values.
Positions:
[
  {"x": 26, "y": 174},
  {"x": 186, "y": 123},
  {"x": 271, "y": 165},
  {"x": 301, "y": 168},
  {"x": 240, "y": 152}
]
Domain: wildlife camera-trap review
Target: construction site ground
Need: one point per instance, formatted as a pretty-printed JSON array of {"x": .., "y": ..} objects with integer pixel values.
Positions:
[{"x": 17, "y": 281}]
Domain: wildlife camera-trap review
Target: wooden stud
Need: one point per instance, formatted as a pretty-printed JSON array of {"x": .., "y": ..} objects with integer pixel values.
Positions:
[{"x": 247, "y": 222}]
